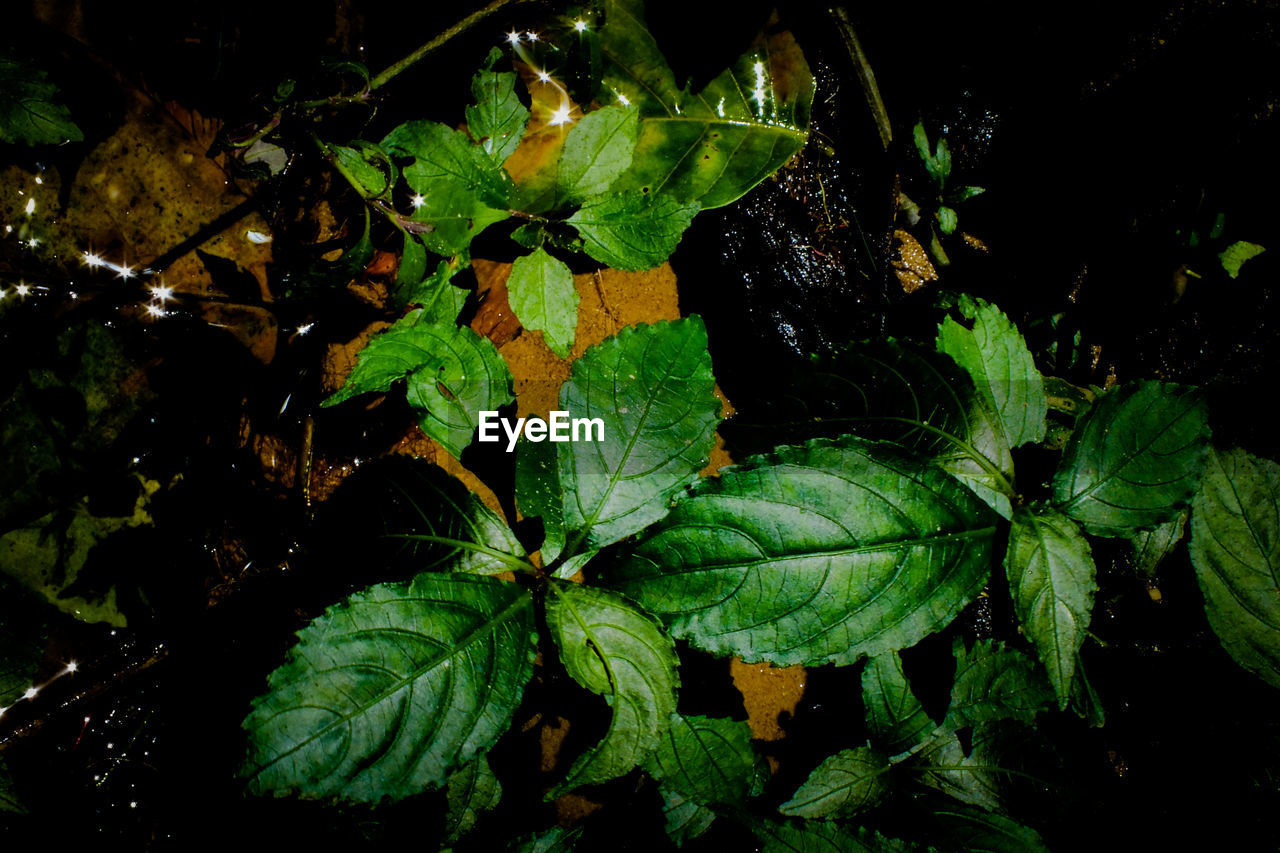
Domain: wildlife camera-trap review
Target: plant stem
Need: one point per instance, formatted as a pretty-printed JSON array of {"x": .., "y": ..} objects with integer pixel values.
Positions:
[{"x": 391, "y": 72}]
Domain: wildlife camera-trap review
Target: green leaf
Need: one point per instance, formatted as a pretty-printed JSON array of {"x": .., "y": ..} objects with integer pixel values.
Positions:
[
  {"x": 1151, "y": 547},
  {"x": 993, "y": 353},
  {"x": 407, "y": 515},
  {"x": 684, "y": 819},
  {"x": 366, "y": 166},
  {"x": 30, "y": 111},
  {"x": 453, "y": 374},
  {"x": 1134, "y": 459},
  {"x": 947, "y": 220},
  {"x": 471, "y": 791},
  {"x": 618, "y": 651},
  {"x": 941, "y": 764},
  {"x": 708, "y": 759},
  {"x": 822, "y": 837},
  {"x": 444, "y": 157},
  {"x": 932, "y": 164},
  {"x": 1236, "y": 254},
  {"x": 597, "y": 151},
  {"x": 843, "y": 785},
  {"x": 714, "y": 145},
  {"x": 895, "y": 716},
  {"x": 972, "y": 829},
  {"x": 543, "y": 296},
  {"x": 995, "y": 683},
  {"x": 9, "y": 802},
  {"x": 538, "y": 493},
  {"x": 389, "y": 692},
  {"x": 1052, "y": 581},
  {"x": 1235, "y": 548},
  {"x": 557, "y": 839},
  {"x": 451, "y": 215},
  {"x": 573, "y": 565},
  {"x": 441, "y": 300},
  {"x": 652, "y": 387},
  {"x": 22, "y": 642},
  {"x": 632, "y": 231},
  {"x": 497, "y": 118},
  {"x": 814, "y": 554}
]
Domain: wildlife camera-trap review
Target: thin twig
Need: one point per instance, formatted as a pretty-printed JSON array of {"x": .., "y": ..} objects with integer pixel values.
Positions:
[
  {"x": 866, "y": 76},
  {"x": 388, "y": 74}
]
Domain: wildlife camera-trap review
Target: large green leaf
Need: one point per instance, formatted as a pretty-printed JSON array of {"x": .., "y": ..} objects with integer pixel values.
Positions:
[
  {"x": 450, "y": 216},
  {"x": 405, "y": 514},
  {"x": 914, "y": 397},
  {"x": 942, "y": 764},
  {"x": 652, "y": 387},
  {"x": 995, "y": 683},
  {"x": 973, "y": 829},
  {"x": 453, "y": 374},
  {"x": 683, "y": 818},
  {"x": 1052, "y": 581},
  {"x": 1134, "y": 459},
  {"x": 631, "y": 230},
  {"x": 618, "y": 651},
  {"x": 497, "y": 118},
  {"x": 819, "y": 553},
  {"x": 443, "y": 156},
  {"x": 708, "y": 759},
  {"x": 1235, "y": 548},
  {"x": 844, "y": 784},
  {"x": 471, "y": 791},
  {"x": 596, "y": 152},
  {"x": 30, "y": 111},
  {"x": 895, "y": 716},
  {"x": 821, "y": 837},
  {"x": 538, "y": 494},
  {"x": 995, "y": 355},
  {"x": 543, "y": 296},
  {"x": 714, "y": 145},
  {"x": 1237, "y": 254},
  {"x": 389, "y": 692}
]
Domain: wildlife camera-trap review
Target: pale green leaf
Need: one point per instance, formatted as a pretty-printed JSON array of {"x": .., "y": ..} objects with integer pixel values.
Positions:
[
  {"x": 843, "y": 785},
  {"x": 711, "y": 146},
  {"x": 453, "y": 374},
  {"x": 820, "y": 553},
  {"x": 1134, "y": 459},
  {"x": 895, "y": 716},
  {"x": 542, "y": 294},
  {"x": 652, "y": 387},
  {"x": 1052, "y": 581},
  {"x": 471, "y": 791},
  {"x": 596, "y": 152},
  {"x": 995, "y": 683},
  {"x": 618, "y": 651},
  {"x": 1235, "y": 548},
  {"x": 1151, "y": 547},
  {"x": 389, "y": 692},
  {"x": 631, "y": 230},
  {"x": 993, "y": 352},
  {"x": 1237, "y": 254},
  {"x": 683, "y": 818},
  {"x": 30, "y": 111},
  {"x": 497, "y": 119},
  {"x": 709, "y": 759}
]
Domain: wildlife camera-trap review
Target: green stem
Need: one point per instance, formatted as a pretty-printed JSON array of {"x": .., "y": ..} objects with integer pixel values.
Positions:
[
  {"x": 515, "y": 563},
  {"x": 391, "y": 72}
]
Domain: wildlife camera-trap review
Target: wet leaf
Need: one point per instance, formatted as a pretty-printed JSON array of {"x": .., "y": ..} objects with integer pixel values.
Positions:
[
  {"x": 843, "y": 785},
  {"x": 895, "y": 716},
  {"x": 30, "y": 111},
  {"x": 542, "y": 294},
  {"x": 390, "y": 691},
  {"x": 454, "y": 215},
  {"x": 497, "y": 119},
  {"x": 472, "y": 790},
  {"x": 632, "y": 231},
  {"x": 994, "y": 683},
  {"x": 708, "y": 759},
  {"x": 714, "y": 145},
  {"x": 453, "y": 374},
  {"x": 1135, "y": 458},
  {"x": 820, "y": 553},
  {"x": 596, "y": 152},
  {"x": 444, "y": 157},
  {"x": 652, "y": 387},
  {"x": 994, "y": 354},
  {"x": 1052, "y": 581},
  {"x": 1235, "y": 548},
  {"x": 618, "y": 651}
]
